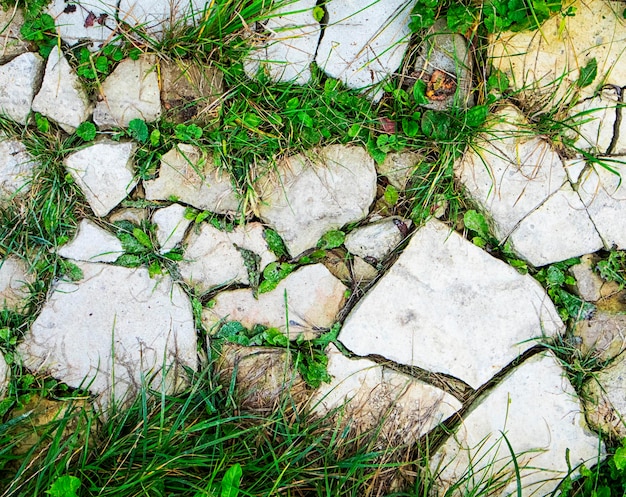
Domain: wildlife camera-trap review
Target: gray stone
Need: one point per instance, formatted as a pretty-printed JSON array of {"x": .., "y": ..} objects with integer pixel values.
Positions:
[
  {"x": 19, "y": 80},
  {"x": 104, "y": 173},
  {"x": 314, "y": 297},
  {"x": 4, "y": 376},
  {"x": 290, "y": 48},
  {"x": 14, "y": 281},
  {"x": 510, "y": 172},
  {"x": 588, "y": 282},
  {"x": 92, "y": 244},
  {"x": 559, "y": 229},
  {"x": 171, "y": 225},
  {"x": 377, "y": 239},
  {"x": 605, "y": 399},
  {"x": 131, "y": 329},
  {"x": 16, "y": 169},
  {"x": 158, "y": 16},
  {"x": 376, "y": 397},
  {"x": 189, "y": 175},
  {"x": 603, "y": 336},
  {"x": 444, "y": 58},
  {"x": 364, "y": 44},
  {"x": 442, "y": 301},
  {"x": 398, "y": 167},
  {"x": 130, "y": 92},
  {"x": 536, "y": 411},
  {"x": 74, "y": 26},
  {"x": 132, "y": 214},
  {"x": 212, "y": 258},
  {"x": 594, "y": 121},
  {"x": 11, "y": 42},
  {"x": 316, "y": 193},
  {"x": 619, "y": 147},
  {"x": 61, "y": 97}
]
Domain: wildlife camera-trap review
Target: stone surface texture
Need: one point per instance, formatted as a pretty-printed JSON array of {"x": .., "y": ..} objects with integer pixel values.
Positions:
[
  {"x": 16, "y": 169},
  {"x": 171, "y": 226},
  {"x": 605, "y": 399},
  {"x": 104, "y": 173},
  {"x": 594, "y": 121},
  {"x": 536, "y": 409},
  {"x": 92, "y": 244},
  {"x": 445, "y": 299},
  {"x": 14, "y": 281},
  {"x": 318, "y": 192},
  {"x": 19, "y": 81},
  {"x": 603, "y": 336},
  {"x": 73, "y": 27},
  {"x": 158, "y": 16},
  {"x": 11, "y": 42},
  {"x": 4, "y": 376},
  {"x": 189, "y": 175},
  {"x": 588, "y": 282},
  {"x": 377, "y": 239},
  {"x": 398, "y": 167},
  {"x": 130, "y": 327},
  {"x": 61, "y": 96}
]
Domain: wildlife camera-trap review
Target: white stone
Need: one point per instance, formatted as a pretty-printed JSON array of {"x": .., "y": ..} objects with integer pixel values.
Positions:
[
  {"x": 14, "y": 281},
  {"x": 619, "y": 147},
  {"x": 588, "y": 282},
  {"x": 171, "y": 225},
  {"x": 510, "y": 172},
  {"x": 11, "y": 42},
  {"x": 19, "y": 79},
  {"x": 132, "y": 214},
  {"x": 73, "y": 26},
  {"x": 364, "y": 43},
  {"x": 212, "y": 259},
  {"x": 370, "y": 394},
  {"x": 16, "y": 169},
  {"x": 189, "y": 175},
  {"x": 92, "y": 244},
  {"x": 605, "y": 399},
  {"x": 61, "y": 97},
  {"x": 130, "y": 92},
  {"x": 398, "y": 167},
  {"x": 290, "y": 49},
  {"x": 104, "y": 173},
  {"x": 594, "y": 121},
  {"x": 442, "y": 301},
  {"x": 4, "y": 376},
  {"x": 113, "y": 330},
  {"x": 316, "y": 193},
  {"x": 314, "y": 297},
  {"x": 158, "y": 16},
  {"x": 376, "y": 239},
  {"x": 604, "y": 194},
  {"x": 559, "y": 229},
  {"x": 536, "y": 409}
]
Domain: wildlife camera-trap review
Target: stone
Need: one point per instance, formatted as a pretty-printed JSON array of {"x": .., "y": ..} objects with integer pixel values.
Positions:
[
  {"x": 442, "y": 300},
  {"x": 156, "y": 17},
  {"x": 212, "y": 258},
  {"x": 189, "y": 175},
  {"x": 605, "y": 399},
  {"x": 588, "y": 282},
  {"x": 509, "y": 172},
  {"x": 132, "y": 328},
  {"x": 190, "y": 90},
  {"x": 104, "y": 173},
  {"x": 543, "y": 69},
  {"x": 19, "y": 81},
  {"x": 286, "y": 55},
  {"x": 376, "y": 240},
  {"x": 171, "y": 226},
  {"x": 444, "y": 63},
  {"x": 14, "y": 280},
  {"x": 375, "y": 397},
  {"x": 603, "y": 336},
  {"x": 92, "y": 244},
  {"x": 563, "y": 226},
  {"x": 362, "y": 272},
  {"x": 314, "y": 298},
  {"x": 317, "y": 193},
  {"x": 619, "y": 145},
  {"x": 62, "y": 97},
  {"x": 350, "y": 270},
  {"x": 4, "y": 376},
  {"x": 16, "y": 169},
  {"x": 11, "y": 42},
  {"x": 398, "y": 167},
  {"x": 593, "y": 121},
  {"x": 535, "y": 410},
  {"x": 363, "y": 45},
  {"x": 73, "y": 26},
  {"x": 131, "y": 214},
  {"x": 130, "y": 92}
]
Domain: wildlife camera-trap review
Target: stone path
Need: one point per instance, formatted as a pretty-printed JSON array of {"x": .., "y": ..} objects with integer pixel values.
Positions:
[{"x": 447, "y": 333}]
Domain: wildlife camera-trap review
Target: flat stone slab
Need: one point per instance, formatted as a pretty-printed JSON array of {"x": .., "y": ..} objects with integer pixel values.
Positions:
[
  {"x": 171, "y": 226},
  {"x": 290, "y": 49},
  {"x": 594, "y": 121},
  {"x": 605, "y": 399},
  {"x": 314, "y": 297},
  {"x": 212, "y": 258},
  {"x": 364, "y": 43},
  {"x": 189, "y": 175},
  {"x": 377, "y": 239},
  {"x": 92, "y": 20},
  {"x": 398, "y": 167},
  {"x": 130, "y": 327},
  {"x": 14, "y": 281},
  {"x": 536, "y": 409},
  {"x": 11, "y": 43},
  {"x": 104, "y": 173},
  {"x": 316, "y": 193},
  {"x": 442, "y": 301},
  {"x": 157, "y": 16},
  {"x": 92, "y": 244},
  {"x": 19, "y": 80},
  {"x": 16, "y": 169},
  {"x": 369, "y": 394}
]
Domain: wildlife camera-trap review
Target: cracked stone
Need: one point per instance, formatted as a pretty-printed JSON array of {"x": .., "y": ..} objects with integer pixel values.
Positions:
[
  {"x": 16, "y": 169},
  {"x": 171, "y": 226},
  {"x": 92, "y": 244},
  {"x": 603, "y": 336},
  {"x": 588, "y": 282},
  {"x": 158, "y": 16},
  {"x": 14, "y": 281},
  {"x": 19, "y": 81},
  {"x": 377, "y": 239},
  {"x": 605, "y": 399},
  {"x": 536, "y": 411},
  {"x": 104, "y": 173},
  {"x": 594, "y": 121},
  {"x": 132, "y": 328},
  {"x": 398, "y": 167},
  {"x": 314, "y": 297},
  {"x": 11, "y": 42},
  {"x": 441, "y": 301},
  {"x": 73, "y": 27}
]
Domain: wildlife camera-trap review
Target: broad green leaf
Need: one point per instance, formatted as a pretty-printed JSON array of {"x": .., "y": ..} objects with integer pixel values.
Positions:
[
  {"x": 318, "y": 13},
  {"x": 477, "y": 223},
  {"x": 231, "y": 481},
  {"x": 155, "y": 137},
  {"x": 86, "y": 131},
  {"x": 587, "y": 74},
  {"x": 138, "y": 129},
  {"x": 331, "y": 239},
  {"x": 64, "y": 486},
  {"x": 419, "y": 92},
  {"x": 43, "y": 124},
  {"x": 410, "y": 127},
  {"x": 620, "y": 458},
  {"x": 476, "y": 116},
  {"x": 142, "y": 238},
  {"x": 275, "y": 243},
  {"x": 391, "y": 195},
  {"x": 498, "y": 80},
  {"x": 154, "y": 269}
]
